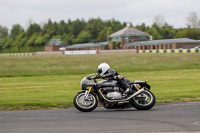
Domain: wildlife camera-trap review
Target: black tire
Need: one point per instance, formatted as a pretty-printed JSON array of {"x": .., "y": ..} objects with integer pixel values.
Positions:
[
  {"x": 141, "y": 104},
  {"x": 77, "y": 103}
]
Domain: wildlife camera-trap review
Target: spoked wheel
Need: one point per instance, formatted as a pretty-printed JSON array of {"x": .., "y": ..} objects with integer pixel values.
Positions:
[
  {"x": 144, "y": 101},
  {"x": 85, "y": 104}
]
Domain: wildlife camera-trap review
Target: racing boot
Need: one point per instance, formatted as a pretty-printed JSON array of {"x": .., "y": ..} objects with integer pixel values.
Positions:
[{"x": 126, "y": 93}]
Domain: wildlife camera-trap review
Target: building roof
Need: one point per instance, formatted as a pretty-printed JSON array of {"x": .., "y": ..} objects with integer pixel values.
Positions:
[
  {"x": 163, "y": 41},
  {"x": 129, "y": 31},
  {"x": 83, "y": 45}
]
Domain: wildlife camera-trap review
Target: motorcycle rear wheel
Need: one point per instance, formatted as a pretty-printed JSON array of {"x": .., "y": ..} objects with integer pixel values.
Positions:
[
  {"x": 83, "y": 104},
  {"x": 144, "y": 101}
]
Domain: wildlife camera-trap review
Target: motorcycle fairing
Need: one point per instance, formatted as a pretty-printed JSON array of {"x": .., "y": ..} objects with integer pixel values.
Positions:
[{"x": 86, "y": 82}]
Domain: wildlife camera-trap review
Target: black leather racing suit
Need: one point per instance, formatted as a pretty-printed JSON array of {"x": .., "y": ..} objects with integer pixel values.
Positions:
[{"x": 113, "y": 75}]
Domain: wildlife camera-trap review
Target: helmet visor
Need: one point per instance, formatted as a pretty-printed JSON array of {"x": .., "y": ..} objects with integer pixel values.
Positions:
[{"x": 99, "y": 71}]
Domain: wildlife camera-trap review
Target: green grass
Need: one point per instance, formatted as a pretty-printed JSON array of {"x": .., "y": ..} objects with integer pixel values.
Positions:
[
  {"x": 83, "y": 64},
  {"x": 46, "y": 82}
]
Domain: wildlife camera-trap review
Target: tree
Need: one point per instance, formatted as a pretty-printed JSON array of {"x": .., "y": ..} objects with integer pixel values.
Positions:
[
  {"x": 8, "y": 43},
  {"x": 104, "y": 34},
  {"x": 23, "y": 41},
  {"x": 94, "y": 26},
  {"x": 42, "y": 40},
  {"x": 153, "y": 32},
  {"x": 31, "y": 40},
  {"x": 159, "y": 20},
  {"x": 76, "y": 27},
  {"x": 17, "y": 40},
  {"x": 142, "y": 27},
  {"x": 116, "y": 25},
  {"x": 3, "y": 31},
  {"x": 55, "y": 28},
  {"x": 188, "y": 33},
  {"x": 16, "y": 30},
  {"x": 2, "y": 43},
  {"x": 193, "y": 20},
  {"x": 33, "y": 28},
  {"x": 169, "y": 31},
  {"x": 48, "y": 26},
  {"x": 68, "y": 38},
  {"x": 62, "y": 27},
  {"x": 83, "y": 37}
]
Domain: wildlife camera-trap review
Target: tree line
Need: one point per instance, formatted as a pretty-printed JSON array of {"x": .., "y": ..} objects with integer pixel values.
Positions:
[{"x": 36, "y": 36}]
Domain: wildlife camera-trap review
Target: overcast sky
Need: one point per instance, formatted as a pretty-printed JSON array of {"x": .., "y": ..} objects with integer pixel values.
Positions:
[{"x": 134, "y": 11}]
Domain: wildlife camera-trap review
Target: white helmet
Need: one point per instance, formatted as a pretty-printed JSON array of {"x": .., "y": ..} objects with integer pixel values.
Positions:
[{"x": 103, "y": 68}]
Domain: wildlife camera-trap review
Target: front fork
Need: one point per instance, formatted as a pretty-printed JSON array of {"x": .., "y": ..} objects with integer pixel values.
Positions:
[{"x": 87, "y": 92}]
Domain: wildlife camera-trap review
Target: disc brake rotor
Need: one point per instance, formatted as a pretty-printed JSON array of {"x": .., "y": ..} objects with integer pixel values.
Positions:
[
  {"x": 85, "y": 102},
  {"x": 144, "y": 98}
]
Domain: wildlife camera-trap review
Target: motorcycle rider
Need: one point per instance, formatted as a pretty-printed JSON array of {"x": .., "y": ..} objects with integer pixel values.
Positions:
[{"x": 106, "y": 73}]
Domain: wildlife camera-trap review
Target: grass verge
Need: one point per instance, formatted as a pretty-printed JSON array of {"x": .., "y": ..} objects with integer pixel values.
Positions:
[
  {"x": 57, "y": 91},
  {"x": 49, "y": 82}
]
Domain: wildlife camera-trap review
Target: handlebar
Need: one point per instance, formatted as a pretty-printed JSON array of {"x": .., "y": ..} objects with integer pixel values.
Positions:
[{"x": 90, "y": 78}]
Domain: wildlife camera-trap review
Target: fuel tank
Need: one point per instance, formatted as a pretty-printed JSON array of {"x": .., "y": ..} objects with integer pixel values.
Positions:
[{"x": 107, "y": 83}]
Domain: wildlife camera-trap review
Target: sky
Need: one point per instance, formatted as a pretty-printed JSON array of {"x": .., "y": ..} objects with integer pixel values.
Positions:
[{"x": 134, "y": 11}]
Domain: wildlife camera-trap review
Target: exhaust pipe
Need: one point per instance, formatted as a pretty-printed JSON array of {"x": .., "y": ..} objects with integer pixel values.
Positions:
[{"x": 135, "y": 94}]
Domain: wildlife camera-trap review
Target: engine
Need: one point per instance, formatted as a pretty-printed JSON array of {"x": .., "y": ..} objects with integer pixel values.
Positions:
[{"x": 112, "y": 93}]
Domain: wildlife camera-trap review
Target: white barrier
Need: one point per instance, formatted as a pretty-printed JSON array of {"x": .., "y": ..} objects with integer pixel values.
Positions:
[{"x": 81, "y": 52}]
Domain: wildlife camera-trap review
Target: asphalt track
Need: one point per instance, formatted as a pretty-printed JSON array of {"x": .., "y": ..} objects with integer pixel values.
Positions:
[{"x": 173, "y": 117}]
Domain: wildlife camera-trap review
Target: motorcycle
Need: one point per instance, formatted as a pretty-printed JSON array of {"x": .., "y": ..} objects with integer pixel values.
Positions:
[{"x": 111, "y": 95}]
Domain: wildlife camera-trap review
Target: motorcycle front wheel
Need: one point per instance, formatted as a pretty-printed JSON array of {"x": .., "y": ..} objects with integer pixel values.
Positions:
[
  {"x": 144, "y": 101},
  {"x": 85, "y": 104}
]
